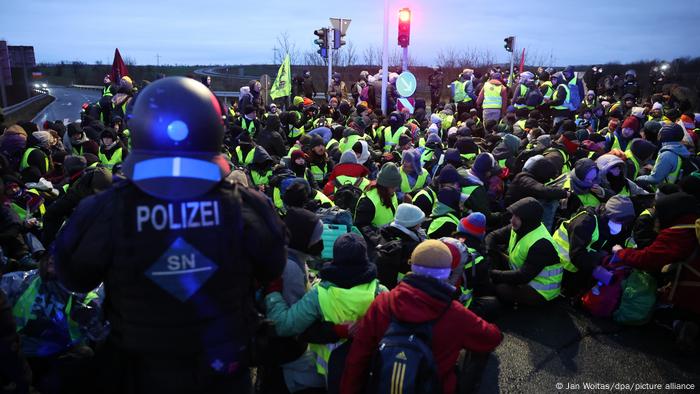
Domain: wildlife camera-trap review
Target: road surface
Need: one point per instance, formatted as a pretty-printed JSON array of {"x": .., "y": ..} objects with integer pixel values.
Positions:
[
  {"x": 548, "y": 349},
  {"x": 67, "y": 104}
]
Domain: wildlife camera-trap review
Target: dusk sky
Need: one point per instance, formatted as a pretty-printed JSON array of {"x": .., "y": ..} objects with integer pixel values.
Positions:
[{"x": 244, "y": 32}]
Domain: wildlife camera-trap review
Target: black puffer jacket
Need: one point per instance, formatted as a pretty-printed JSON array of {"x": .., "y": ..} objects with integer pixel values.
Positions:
[{"x": 531, "y": 183}]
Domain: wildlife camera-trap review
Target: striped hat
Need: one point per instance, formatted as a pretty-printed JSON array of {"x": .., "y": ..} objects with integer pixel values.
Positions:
[{"x": 474, "y": 224}]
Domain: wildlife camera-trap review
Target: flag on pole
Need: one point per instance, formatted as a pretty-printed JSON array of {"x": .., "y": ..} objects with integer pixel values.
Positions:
[
  {"x": 522, "y": 61},
  {"x": 118, "y": 67},
  {"x": 283, "y": 83}
]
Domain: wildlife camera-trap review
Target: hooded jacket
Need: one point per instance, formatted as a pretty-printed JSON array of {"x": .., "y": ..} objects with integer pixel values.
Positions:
[
  {"x": 419, "y": 299},
  {"x": 345, "y": 169},
  {"x": 615, "y": 185},
  {"x": 507, "y": 150},
  {"x": 665, "y": 163},
  {"x": 540, "y": 255},
  {"x": 531, "y": 183}
]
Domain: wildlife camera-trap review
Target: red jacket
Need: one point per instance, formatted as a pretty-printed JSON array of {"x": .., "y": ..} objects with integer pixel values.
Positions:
[
  {"x": 671, "y": 246},
  {"x": 415, "y": 300},
  {"x": 346, "y": 169}
]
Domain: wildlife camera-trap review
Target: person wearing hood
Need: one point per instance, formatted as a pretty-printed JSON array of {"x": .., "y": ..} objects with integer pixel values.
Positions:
[
  {"x": 582, "y": 185},
  {"x": 474, "y": 283},
  {"x": 422, "y": 296},
  {"x": 506, "y": 151},
  {"x": 248, "y": 121},
  {"x": 613, "y": 177},
  {"x": 377, "y": 205},
  {"x": 493, "y": 98},
  {"x": 475, "y": 195},
  {"x": 676, "y": 243},
  {"x": 535, "y": 272},
  {"x": 561, "y": 104},
  {"x": 38, "y": 152},
  {"x": 270, "y": 137},
  {"x": 347, "y": 288},
  {"x": 13, "y": 142},
  {"x": 320, "y": 164},
  {"x": 638, "y": 154},
  {"x": 347, "y": 172},
  {"x": 620, "y": 139},
  {"x": 245, "y": 148},
  {"x": 445, "y": 216},
  {"x": 389, "y": 139},
  {"x": 463, "y": 90},
  {"x": 667, "y": 167},
  {"x": 582, "y": 241},
  {"x": 433, "y": 151},
  {"x": 532, "y": 182},
  {"x": 79, "y": 141},
  {"x": 87, "y": 183},
  {"x": 522, "y": 91},
  {"x": 396, "y": 243},
  {"x": 591, "y": 100},
  {"x": 308, "y": 85},
  {"x": 427, "y": 199},
  {"x": 112, "y": 152},
  {"x": 260, "y": 169},
  {"x": 337, "y": 88},
  {"x": 413, "y": 176},
  {"x": 562, "y": 153},
  {"x": 299, "y": 164}
]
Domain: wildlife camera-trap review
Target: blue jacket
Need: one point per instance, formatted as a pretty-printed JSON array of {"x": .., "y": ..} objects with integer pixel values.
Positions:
[{"x": 666, "y": 162}]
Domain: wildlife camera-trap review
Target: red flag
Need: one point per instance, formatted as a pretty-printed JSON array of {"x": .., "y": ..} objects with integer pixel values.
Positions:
[
  {"x": 522, "y": 61},
  {"x": 118, "y": 67}
]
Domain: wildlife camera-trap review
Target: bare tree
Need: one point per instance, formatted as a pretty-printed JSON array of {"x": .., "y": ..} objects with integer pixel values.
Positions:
[
  {"x": 311, "y": 58},
  {"x": 372, "y": 55},
  {"x": 129, "y": 61},
  {"x": 350, "y": 54},
  {"x": 284, "y": 46}
]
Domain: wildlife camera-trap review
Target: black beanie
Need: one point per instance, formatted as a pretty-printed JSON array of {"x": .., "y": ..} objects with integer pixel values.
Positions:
[
  {"x": 669, "y": 208},
  {"x": 671, "y": 133},
  {"x": 642, "y": 149}
]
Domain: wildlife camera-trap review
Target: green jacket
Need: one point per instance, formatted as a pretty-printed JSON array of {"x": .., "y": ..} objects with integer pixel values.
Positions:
[{"x": 295, "y": 319}]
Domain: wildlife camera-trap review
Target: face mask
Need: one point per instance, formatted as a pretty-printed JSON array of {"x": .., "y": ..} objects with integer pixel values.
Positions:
[{"x": 614, "y": 227}]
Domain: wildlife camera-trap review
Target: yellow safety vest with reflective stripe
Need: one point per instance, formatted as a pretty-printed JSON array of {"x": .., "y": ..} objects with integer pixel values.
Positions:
[
  {"x": 323, "y": 199},
  {"x": 467, "y": 291},
  {"x": 319, "y": 172},
  {"x": 492, "y": 96},
  {"x": 635, "y": 163},
  {"x": 406, "y": 186},
  {"x": 25, "y": 160},
  {"x": 430, "y": 194},
  {"x": 391, "y": 140},
  {"x": 587, "y": 200},
  {"x": 561, "y": 242},
  {"x": 260, "y": 178},
  {"x": 112, "y": 161},
  {"x": 248, "y": 157},
  {"x": 382, "y": 215},
  {"x": 565, "y": 105},
  {"x": 550, "y": 91},
  {"x": 460, "y": 93},
  {"x": 548, "y": 281},
  {"x": 350, "y": 180},
  {"x": 249, "y": 127},
  {"x": 440, "y": 221},
  {"x": 339, "y": 305},
  {"x": 22, "y": 212},
  {"x": 106, "y": 91},
  {"x": 348, "y": 142}
]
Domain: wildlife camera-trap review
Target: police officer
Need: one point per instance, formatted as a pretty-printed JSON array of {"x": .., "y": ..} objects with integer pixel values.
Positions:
[{"x": 178, "y": 249}]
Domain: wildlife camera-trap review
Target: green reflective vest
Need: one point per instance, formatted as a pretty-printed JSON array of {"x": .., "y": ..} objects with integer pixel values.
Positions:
[
  {"x": 587, "y": 200},
  {"x": 391, "y": 140},
  {"x": 260, "y": 178},
  {"x": 248, "y": 157},
  {"x": 430, "y": 194},
  {"x": 548, "y": 281},
  {"x": 23, "y": 212},
  {"x": 420, "y": 181},
  {"x": 521, "y": 124},
  {"x": 427, "y": 155},
  {"x": 337, "y": 306},
  {"x": 466, "y": 295},
  {"x": 492, "y": 96},
  {"x": 440, "y": 221},
  {"x": 460, "y": 92},
  {"x": 351, "y": 180},
  {"x": 323, "y": 199},
  {"x": 112, "y": 161},
  {"x": 635, "y": 163},
  {"x": 561, "y": 242},
  {"x": 348, "y": 142},
  {"x": 566, "y": 104},
  {"x": 382, "y": 215},
  {"x": 22, "y": 311},
  {"x": 106, "y": 91},
  {"x": 565, "y": 167},
  {"x": 25, "y": 160},
  {"x": 319, "y": 172},
  {"x": 248, "y": 125},
  {"x": 550, "y": 91}
]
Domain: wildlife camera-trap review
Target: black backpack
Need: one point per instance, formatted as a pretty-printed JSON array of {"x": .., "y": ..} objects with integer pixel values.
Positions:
[
  {"x": 689, "y": 165},
  {"x": 346, "y": 195},
  {"x": 404, "y": 361}
]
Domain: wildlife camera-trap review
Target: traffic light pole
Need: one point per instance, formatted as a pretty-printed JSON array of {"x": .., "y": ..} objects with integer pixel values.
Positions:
[
  {"x": 512, "y": 58},
  {"x": 404, "y": 61},
  {"x": 330, "y": 60},
  {"x": 385, "y": 56}
]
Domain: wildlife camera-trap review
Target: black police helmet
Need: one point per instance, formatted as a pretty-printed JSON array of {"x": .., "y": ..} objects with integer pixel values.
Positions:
[{"x": 177, "y": 131}]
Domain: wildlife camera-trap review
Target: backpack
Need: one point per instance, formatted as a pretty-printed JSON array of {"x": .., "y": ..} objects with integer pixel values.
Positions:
[
  {"x": 689, "y": 165},
  {"x": 347, "y": 195},
  {"x": 364, "y": 93},
  {"x": 404, "y": 361}
]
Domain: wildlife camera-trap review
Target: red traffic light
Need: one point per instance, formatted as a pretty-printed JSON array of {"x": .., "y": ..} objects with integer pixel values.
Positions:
[{"x": 405, "y": 15}]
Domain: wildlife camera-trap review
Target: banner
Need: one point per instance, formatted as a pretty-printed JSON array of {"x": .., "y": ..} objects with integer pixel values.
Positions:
[
  {"x": 522, "y": 61},
  {"x": 283, "y": 83},
  {"x": 118, "y": 67}
]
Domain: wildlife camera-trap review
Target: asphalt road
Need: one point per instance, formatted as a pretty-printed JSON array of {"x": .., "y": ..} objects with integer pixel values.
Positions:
[
  {"x": 559, "y": 346},
  {"x": 67, "y": 104}
]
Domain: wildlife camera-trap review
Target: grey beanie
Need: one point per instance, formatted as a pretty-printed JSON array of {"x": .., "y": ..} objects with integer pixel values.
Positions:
[
  {"x": 408, "y": 215},
  {"x": 389, "y": 176},
  {"x": 348, "y": 156},
  {"x": 619, "y": 209}
]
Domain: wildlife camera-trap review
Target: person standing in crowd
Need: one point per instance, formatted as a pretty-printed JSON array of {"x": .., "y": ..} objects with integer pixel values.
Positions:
[
  {"x": 493, "y": 98},
  {"x": 141, "y": 294},
  {"x": 435, "y": 81}
]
